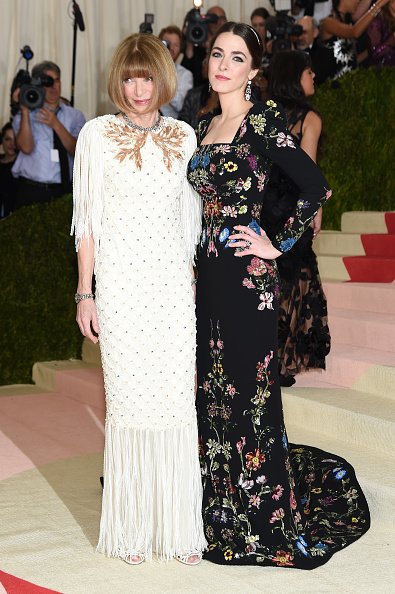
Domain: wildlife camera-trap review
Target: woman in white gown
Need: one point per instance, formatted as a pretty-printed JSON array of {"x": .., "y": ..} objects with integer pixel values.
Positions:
[{"x": 136, "y": 222}]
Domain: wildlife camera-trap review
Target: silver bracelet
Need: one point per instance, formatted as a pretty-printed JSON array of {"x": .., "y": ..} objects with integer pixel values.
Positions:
[
  {"x": 80, "y": 296},
  {"x": 374, "y": 9}
]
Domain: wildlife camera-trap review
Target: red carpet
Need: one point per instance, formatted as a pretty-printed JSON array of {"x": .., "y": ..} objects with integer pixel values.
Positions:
[
  {"x": 379, "y": 245},
  {"x": 363, "y": 269},
  {"x": 14, "y": 585},
  {"x": 390, "y": 222},
  {"x": 378, "y": 264}
]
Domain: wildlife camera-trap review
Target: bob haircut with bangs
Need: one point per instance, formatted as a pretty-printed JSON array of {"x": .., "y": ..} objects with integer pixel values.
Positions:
[{"x": 142, "y": 55}]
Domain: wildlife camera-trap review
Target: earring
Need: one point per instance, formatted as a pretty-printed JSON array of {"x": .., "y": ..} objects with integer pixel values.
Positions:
[
  {"x": 247, "y": 92},
  {"x": 209, "y": 86}
]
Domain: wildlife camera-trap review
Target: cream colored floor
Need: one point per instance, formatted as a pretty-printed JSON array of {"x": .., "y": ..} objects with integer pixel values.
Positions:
[{"x": 49, "y": 523}]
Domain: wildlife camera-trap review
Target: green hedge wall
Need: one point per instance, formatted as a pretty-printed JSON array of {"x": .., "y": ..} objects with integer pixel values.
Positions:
[
  {"x": 357, "y": 149},
  {"x": 38, "y": 278}
]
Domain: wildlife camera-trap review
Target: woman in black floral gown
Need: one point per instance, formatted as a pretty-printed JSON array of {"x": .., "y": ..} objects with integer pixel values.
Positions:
[
  {"x": 266, "y": 502},
  {"x": 303, "y": 333}
]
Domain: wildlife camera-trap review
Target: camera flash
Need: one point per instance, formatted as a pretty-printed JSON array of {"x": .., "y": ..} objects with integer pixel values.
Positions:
[{"x": 197, "y": 3}]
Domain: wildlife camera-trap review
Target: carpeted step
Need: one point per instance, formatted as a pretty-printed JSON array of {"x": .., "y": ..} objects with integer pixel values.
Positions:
[
  {"x": 374, "y": 297},
  {"x": 373, "y": 330},
  {"x": 91, "y": 352},
  {"x": 39, "y": 428},
  {"x": 351, "y": 366},
  {"x": 370, "y": 269},
  {"x": 374, "y": 470},
  {"x": 378, "y": 245},
  {"x": 341, "y": 413},
  {"x": 332, "y": 268},
  {"x": 21, "y": 390},
  {"x": 336, "y": 243},
  {"x": 75, "y": 379},
  {"x": 368, "y": 222}
]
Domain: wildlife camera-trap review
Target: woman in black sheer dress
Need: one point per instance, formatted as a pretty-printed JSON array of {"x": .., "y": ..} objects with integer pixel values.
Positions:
[
  {"x": 7, "y": 181},
  {"x": 265, "y": 501},
  {"x": 304, "y": 339}
]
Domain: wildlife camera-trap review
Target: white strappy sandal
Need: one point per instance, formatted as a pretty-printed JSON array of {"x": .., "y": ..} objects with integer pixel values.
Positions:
[
  {"x": 186, "y": 558},
  {"x": 134, "y": 559}
]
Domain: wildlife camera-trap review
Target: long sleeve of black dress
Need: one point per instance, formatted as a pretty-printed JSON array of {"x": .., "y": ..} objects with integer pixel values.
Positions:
[{"x": 270, "y": 140}]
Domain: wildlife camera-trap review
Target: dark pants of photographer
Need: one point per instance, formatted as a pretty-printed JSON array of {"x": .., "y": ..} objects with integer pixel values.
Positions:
[{"x": 31, "y": 192}]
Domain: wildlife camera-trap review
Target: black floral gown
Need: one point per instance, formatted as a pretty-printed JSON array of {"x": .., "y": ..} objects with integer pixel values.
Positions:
[
  {"x": 303, "y": 334},
  {"x": 266, "y": 502}
]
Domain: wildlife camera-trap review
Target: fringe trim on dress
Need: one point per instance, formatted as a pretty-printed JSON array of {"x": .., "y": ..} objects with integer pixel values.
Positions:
[
  {"x": 191, "y": 204},
  {"x": 191, "y": 219},
  {"x": 88, "y": 185},
  {"x": 152, "y": 498}
]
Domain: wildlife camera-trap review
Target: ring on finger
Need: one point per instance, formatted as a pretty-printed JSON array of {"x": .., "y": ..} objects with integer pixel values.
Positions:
[{"x": 248, "y": 243}]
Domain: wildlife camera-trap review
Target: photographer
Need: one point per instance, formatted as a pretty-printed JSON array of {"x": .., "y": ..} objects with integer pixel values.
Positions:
[
  {"x": 258, "y": 22},
  {"x": 172, "y": 37},
  {"x": 195, "y": 52},
  {"x": 215, "y": 25},
  {"x": 46, "y": 138},
  {"x": 322, "y": 58}
]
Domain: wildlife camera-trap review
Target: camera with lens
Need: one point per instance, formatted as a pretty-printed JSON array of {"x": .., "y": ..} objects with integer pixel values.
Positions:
[
  {"x": 32, "y": 93},
  {"x": 197, "y": 27},
  {"x": 146, "y": 27},
  {"x": 280, "y": 29},
  {"x": 32, "y": 90}
]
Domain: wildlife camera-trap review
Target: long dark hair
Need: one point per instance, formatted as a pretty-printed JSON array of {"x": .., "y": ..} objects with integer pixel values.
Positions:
[
  {"x": 285, "y": 72},
  {"x": 7, "y": 126},
  {"x": 250, "y": 37},
  {"x": 388, "y": 18},
  {"x": 335, "y": 9}
]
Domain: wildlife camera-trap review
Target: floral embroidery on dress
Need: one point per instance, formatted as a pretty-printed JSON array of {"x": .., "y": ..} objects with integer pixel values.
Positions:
[
  {"x": 129, "y": 142},
  {"x": 254, "y": 487},
  {"x": 215, "y": 211},
  {"x": 227, "y": 513},
  {"x": 295, "y": 226},
  {"x": 263, "y": 277},
  {"x": 258, "y": 122},
  {"x": 229, "y": 199},
  {"x": 285, "y": 140}
]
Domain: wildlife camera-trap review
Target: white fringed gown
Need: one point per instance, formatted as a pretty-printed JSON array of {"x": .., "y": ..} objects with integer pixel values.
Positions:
[{"x": 131, "y": 195}]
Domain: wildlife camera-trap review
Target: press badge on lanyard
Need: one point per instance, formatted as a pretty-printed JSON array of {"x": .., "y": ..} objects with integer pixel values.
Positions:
[{"x": 55, "y": 155}]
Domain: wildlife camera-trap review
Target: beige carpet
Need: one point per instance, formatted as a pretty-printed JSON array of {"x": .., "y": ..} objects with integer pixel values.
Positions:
[{"x": 49, "y": 522}]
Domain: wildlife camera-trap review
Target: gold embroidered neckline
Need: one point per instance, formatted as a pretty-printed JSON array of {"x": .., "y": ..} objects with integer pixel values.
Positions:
[{"x": 129, "y": 142}]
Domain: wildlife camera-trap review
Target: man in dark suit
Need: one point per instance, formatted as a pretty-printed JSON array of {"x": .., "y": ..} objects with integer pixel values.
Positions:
[{"x": 322, "y": 58}]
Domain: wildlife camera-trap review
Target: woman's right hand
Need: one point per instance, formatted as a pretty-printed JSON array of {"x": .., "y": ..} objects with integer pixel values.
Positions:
[
  {"x": 316, "y": 222},
  {"x": 252, "y": 244},
  {"x": 87, "y": 319}
]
